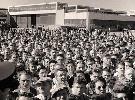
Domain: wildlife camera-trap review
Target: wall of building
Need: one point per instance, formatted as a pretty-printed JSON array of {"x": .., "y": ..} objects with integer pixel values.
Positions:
[
  {"x": 104, "y": 16},
  {"x": 60, "y": 15},
  {"x": 45, "y": 19},
  {"x": 76, "y": 19},
  {"x": 74, "y": 15}
]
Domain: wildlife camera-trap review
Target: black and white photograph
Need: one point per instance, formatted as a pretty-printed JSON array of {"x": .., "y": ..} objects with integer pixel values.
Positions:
[{"x": 67, "y": 50}]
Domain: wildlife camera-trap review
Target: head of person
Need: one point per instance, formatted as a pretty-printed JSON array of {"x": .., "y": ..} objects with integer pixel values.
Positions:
[
  {"x": 85, "y": 54},
  {"x": 69, "y": 54},
  {"x": 77, "y": 51},
  {"x": 125, "y": 53},
  {"x": 24, "y": 55},
  {"x": 79, "y": 60},
  {"x": 46, "y": 61},
  {"x": 80, "y": 66},
  {"x": 60, "y": 59},
  {"x": 134, "y": 64},
  {"x": 127, "y": 64},
  {"x": 87, "y": 45},
  {"x": 53, "y": 53},
  {"x": 95, "y": 75},
  {"x": 106, "y": 74},
  {"x": 47, "y": 51},
  {"x": 120, "y": 69},
  {"x": 43, "y": 72},
  {"x": 130, "y": 74},
  {"x": 61, "y": 75},
  {"x": 100, "y": 52},
  {"x": 38, "y": 58},
  {"x": 14, "y": 56},
  {"x": 92, "y": 53},
  {"x": 43, "y": 86},
  {"x": 11, "y": 46},
  {"x": 6, "y": 53},
  {"x": 70, "y": 66},
  {"x": 32, "y": 66},
  {"x": 107, "y": 59},
  {"x": 97, "y": 60},
  {"x": 52, "y": 64},
  {"x": 24, "y": 80},
  {"x": 89, "y": 64},
  {"x": 117, "y": 50},
  {"x": 114, "y": 59},
  {"x": 100, "y": 86},
  {"x": 78, "y": 87}
]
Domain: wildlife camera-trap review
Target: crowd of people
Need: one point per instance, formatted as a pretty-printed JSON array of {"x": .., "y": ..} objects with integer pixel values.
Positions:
[{"x": 68, "y": 65}]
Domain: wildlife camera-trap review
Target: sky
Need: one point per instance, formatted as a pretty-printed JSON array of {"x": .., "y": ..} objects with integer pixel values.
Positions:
[{"x": 121, "y": 5}]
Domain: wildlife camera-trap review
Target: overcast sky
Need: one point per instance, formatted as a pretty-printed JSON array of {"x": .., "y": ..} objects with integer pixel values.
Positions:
[{"x": 111, "y": 4}]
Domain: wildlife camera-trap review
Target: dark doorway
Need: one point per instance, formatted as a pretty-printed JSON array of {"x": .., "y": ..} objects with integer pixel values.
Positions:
[{"x": 33, "y": 20}]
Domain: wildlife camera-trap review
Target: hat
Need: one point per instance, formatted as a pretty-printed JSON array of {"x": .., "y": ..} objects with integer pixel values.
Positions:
[
  {"x": 42, "y": 81},
  {"x": 6, "y": 69}
]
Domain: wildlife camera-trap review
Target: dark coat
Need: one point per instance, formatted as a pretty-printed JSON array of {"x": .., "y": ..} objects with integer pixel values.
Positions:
[
  {"x": 82, "y": 97},
  {"x": 106, "y": 96}
]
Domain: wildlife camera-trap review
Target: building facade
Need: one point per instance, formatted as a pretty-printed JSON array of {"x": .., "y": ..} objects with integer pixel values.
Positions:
[{"x": 62, "y": 14}]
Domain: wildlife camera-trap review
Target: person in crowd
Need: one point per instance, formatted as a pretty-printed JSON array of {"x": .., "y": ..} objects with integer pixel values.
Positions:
[
  {"x": 78, "y": 90},
  {"x": 107, "y": 75},
  {"x": 43, "y": 87},
  {"x": 62, "y": 55},
  {"x": 71, "y": 71},
  {"x": 60, "y": 77},
  {"x": 24, "y": 87},
  {"x": 93, "y": 78},
  {"x": 100, "y": 90},
  {"x": 119, "y": 75},
  {"x": 43, "y": 73},
  {"x": 130, "y": 83},
  {"x": 52, "y": 64},
  {"x": 60, "y": 59}
]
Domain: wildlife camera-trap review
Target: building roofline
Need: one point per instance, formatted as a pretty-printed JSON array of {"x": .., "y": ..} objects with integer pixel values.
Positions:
[{"x": 34, "y": 4}]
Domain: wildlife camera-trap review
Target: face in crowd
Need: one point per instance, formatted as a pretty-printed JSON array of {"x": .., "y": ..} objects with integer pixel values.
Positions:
[
  {"x": 60, "y": 60},
  {"x": 94, "y": 77},
  {"x": 127, "y": 65},
  {"x": 120, "y": 70},
  {"x": 89, "y": 65},
  {"x": 80, "y": 66},
  {"x": 100, "y": 87},
  {"x": 44, "y": 88},
  {"x": 78, "y": 89},
  {"x": 70, "y": 68},
  {"x": 106, "y": 75},
  {"x": 61, "y": 76},
  {"x": 32, "y": 67},
  {"x": 52, "y": 65},
  {"x": 25, "y": 81},
  {"x": 69, "y": 55},
  {"x": 43, "y": 73},
  {"x": 129, "y": 74}
]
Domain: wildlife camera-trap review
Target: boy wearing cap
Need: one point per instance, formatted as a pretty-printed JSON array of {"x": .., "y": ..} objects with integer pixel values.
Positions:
[
  {"x": 78, "y": 91},
  {"x": 43, "y": 88}
]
